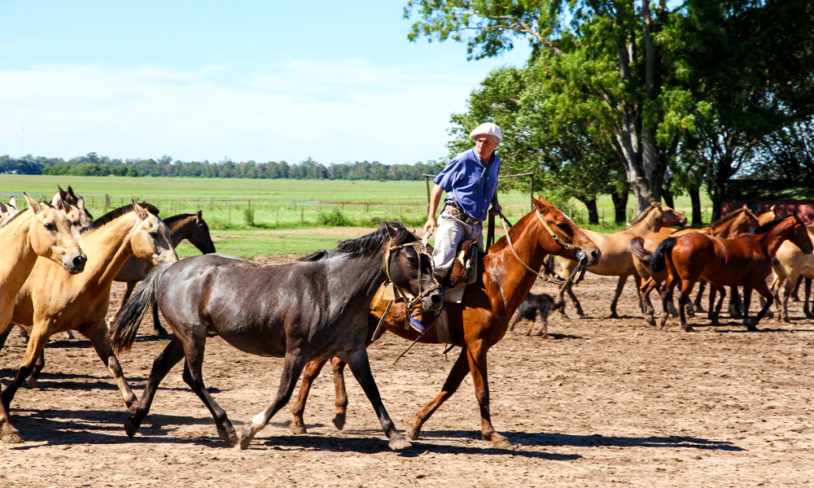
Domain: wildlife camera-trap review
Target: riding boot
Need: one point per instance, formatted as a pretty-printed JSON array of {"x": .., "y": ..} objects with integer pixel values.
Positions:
[{"x": 417, "y": 320}]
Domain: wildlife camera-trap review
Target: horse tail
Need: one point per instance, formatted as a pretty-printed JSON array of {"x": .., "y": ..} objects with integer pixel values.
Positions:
[
  {"x": 122, "y": 331},
  {"x": 658, "y": 261},
  {"x": 638, "y": 250}
]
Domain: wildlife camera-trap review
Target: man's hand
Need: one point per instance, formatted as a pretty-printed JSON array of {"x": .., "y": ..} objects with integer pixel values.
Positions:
[
  {"x": 429, "y": 227},
  {"x": 495, "y": 210}
]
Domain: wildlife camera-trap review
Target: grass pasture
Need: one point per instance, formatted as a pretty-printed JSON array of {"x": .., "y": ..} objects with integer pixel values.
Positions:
[{"x": 245, "y": 208}]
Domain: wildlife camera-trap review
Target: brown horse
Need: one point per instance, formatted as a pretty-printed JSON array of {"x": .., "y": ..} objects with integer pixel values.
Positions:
[
  {"x": 50, "y": 301},
  {"x": 481, "y": 319},
  {"x": 615, "y": 248},
  {"x": 189, "y": 226},
  {"x": 744, "y": 260},
  {"x": 38, "y": 231},
  {"x": 734, "y": 223}
]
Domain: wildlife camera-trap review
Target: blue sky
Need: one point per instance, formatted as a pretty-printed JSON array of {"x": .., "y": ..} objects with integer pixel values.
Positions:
[{"x": 244, "y": 80}]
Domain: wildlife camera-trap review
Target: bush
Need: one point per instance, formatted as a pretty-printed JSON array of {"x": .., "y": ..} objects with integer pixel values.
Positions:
[
  {"x": 334, "y": 218},
  {"x": 248, "y": 214}
]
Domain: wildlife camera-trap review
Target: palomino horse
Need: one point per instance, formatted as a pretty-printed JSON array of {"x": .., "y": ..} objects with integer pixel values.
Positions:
[
  {"x": 182, "y": 226},
  {"x": 744, "y": 260},
  {"x": 734, "y": 223},
  {"x": 312, "y": 309},
  {"x": 38, "y": 231},
  {"x": 8, "y": 210},
  {"x": 51, "y": 302},
  {"x": 615, "y": 248},
  {"x": 789, "y": 264},
  {"x": 477, "y": 323}
]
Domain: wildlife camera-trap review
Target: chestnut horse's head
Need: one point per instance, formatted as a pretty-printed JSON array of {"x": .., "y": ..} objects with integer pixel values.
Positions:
[
  {"x": 573, "y": 242},
  {"x": 735, "y": 223},
  {"x": 50, "y": 236},
  {"x": 800, "y": 236}
]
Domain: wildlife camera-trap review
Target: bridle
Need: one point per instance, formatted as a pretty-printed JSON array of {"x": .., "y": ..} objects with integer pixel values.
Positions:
[
  {"x": 581, "y": 263},
  {"x": 412, "y": 301}
]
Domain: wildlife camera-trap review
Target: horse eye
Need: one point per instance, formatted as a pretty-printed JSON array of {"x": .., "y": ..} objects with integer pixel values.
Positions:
[
  {"x": 564, "y": 227},
  {"x": 154, "y": 234},
  {"x": 412, "y": 260},
  {"x": 51, "y": 227}
]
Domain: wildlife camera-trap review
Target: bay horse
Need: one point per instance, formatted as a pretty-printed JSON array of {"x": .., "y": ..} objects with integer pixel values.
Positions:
[
  {"x": 51, "y": 301},
  {"x": 37, "y": 231},
  {"x": 615, "y": 248},
  {"x": 312, "y": 309},
  {"x": 734, "y": 223},
  {"x": 189, "y": 226},
  {"x": 480, "y": 321},
  {"x": 744, "y": 260}
]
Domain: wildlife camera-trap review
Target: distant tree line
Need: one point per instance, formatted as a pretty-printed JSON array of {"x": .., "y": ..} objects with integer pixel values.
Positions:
[{"x": 92, "y": 164}]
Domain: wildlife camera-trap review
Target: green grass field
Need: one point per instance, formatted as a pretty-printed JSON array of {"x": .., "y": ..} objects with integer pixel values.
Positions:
[{"x": 244, "y": 208}]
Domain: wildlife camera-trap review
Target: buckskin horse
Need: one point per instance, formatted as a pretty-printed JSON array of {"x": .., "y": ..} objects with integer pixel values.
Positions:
[
  {"x": 507, "y": 273},
  {"x": 312, "y": 309},
  {"x": 744, "y": 260},
  {"x": 51, "y": 301},
  {"x": 615, "y": 248},
  {"x": 38, "y": 231}
]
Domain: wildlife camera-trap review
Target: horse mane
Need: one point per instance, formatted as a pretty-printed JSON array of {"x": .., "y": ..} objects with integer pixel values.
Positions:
[
  {"x": 118, "y": 212},
  {"x": 503, "y": 242},
  {"x": 173, "y": 218},
  {"x": 12, "y": 218},
  {"x": 769, "y": 225},
  {"x": 731, "y": 215},
  {"x": 371, "y": 243},
  {"x": 643, "y": 214},
  {"x": 314, "y": 256}
]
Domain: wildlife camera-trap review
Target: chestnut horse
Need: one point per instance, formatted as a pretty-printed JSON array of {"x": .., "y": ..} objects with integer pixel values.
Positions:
[
  {"x": 507, "y": 273},
  {"x": 189, "y": 226},
  {"x": 734, "y": 223},
  {"x": 51, "y": 301},
  {"x": 312, "y": 309},
  {"x": 744, "y": 260},
  {"x": 615, "y": 248},
  {"x": 38, "y": 231}
]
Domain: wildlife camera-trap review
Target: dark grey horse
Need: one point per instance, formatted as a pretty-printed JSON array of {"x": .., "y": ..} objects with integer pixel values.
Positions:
[{"x": 312, "y": 309}]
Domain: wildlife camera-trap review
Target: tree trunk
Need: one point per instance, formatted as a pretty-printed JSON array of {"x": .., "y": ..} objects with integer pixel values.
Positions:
[
  {"x": 619, "y": 207},
  {"x": 695, "y": 200},
  {"x": 668, "y": 199},
  {"x": 593, "y": 213}
]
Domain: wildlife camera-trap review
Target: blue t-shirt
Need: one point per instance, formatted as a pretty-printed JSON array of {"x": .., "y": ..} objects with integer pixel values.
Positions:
[{"x": 471, "y": 182}]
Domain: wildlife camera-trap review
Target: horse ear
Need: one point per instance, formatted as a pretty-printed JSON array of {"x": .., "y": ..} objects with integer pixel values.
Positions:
[
  {"x": 57, "y": 201},
  {"x": 3, "y": 208},
  {"x": 142, "y": 214},
  {"x": 198, "y": 215},
  {"x": 70, "y": 191},
  {"x": 32, "y": 204},
  {"x": 12, "y": 202},
  {"x": 80, "y": 202}
]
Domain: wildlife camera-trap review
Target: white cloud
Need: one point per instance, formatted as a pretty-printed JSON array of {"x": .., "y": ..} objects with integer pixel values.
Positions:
[{"x": 334, "y": 111}]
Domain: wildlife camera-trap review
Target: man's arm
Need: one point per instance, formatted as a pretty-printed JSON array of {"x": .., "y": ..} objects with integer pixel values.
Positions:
[{"x": 435, "y": 199}]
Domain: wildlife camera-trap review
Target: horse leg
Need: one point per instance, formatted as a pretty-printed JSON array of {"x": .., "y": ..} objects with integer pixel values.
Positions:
[
  {"x": 806, "y": 309},
  {"x": 684, "y": 295},
  {"x": 36, "y": 342},
  {"x": 644, "y": 295},
  {"x": 478, "y": 368},
  {"x": 293, "y": 366},
  {"x": 454, "y": 379},
  {"x": 96, "y": 332},
  {"x": 620, "y": 285},
  {"x": 312, "y": 370},
  {"x": 787, "y": 291},
  {"x": 340, "y": 393},
  {"x": 162, "y": 364},
  {"x": 8, "y": 433},
  {"x": 717, "y": 313},
  {"x": 194, "y": 378},
  {"x": 573, "y": 297},
  {"x": 39, "y": 365},
  {"x": 360, "y": 367},
  {"x": 699, "y": 297},
  {"x": 747, "y": 293},
  {"x": 735, "y": 305}
]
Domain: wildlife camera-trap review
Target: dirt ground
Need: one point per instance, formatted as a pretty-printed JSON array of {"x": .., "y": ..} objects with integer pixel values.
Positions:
[{"x": 599, "y": 402}]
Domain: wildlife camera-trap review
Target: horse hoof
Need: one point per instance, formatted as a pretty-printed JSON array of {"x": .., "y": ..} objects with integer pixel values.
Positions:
[
  {"x": 297, "y": 429},
  {"x": 500, "y": 442},
  {"x": 412, "y": 433},
  {"x": 688, "y": 328},
  {"x": 130, "y": 426},
  {"x": 245, "y": 439},
  {"x": 31, "y": 381},
  {"x": 399, "y": 443},
  {"x": 12, "y": 438},
  {"x": 339, "y": 421}
]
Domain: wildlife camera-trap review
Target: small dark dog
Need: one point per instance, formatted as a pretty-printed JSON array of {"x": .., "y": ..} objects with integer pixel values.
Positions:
[{"x": 531, "y": 306}]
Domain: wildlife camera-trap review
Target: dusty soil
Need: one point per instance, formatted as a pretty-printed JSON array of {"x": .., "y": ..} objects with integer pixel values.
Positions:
[{"x": 599, "y": 402}]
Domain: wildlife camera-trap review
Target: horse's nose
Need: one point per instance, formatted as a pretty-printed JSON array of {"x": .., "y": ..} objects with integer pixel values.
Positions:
[
  {"x": 436, "y": 299},
  {"x": 78, "y": 263}
]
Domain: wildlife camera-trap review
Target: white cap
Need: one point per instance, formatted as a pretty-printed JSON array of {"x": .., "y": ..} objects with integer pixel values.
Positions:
[{"x": 487, "y": 128}]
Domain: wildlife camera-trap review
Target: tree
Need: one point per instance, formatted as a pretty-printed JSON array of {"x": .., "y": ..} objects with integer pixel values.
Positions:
[{"x": 604, "y": 67}]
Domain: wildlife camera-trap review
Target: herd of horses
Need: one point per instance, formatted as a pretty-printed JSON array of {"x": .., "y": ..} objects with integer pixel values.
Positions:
[{"x": 59, "y": 265}]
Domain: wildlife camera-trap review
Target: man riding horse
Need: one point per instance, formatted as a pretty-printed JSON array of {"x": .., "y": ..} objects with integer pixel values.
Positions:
[{"x": 470, "y": 182}]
